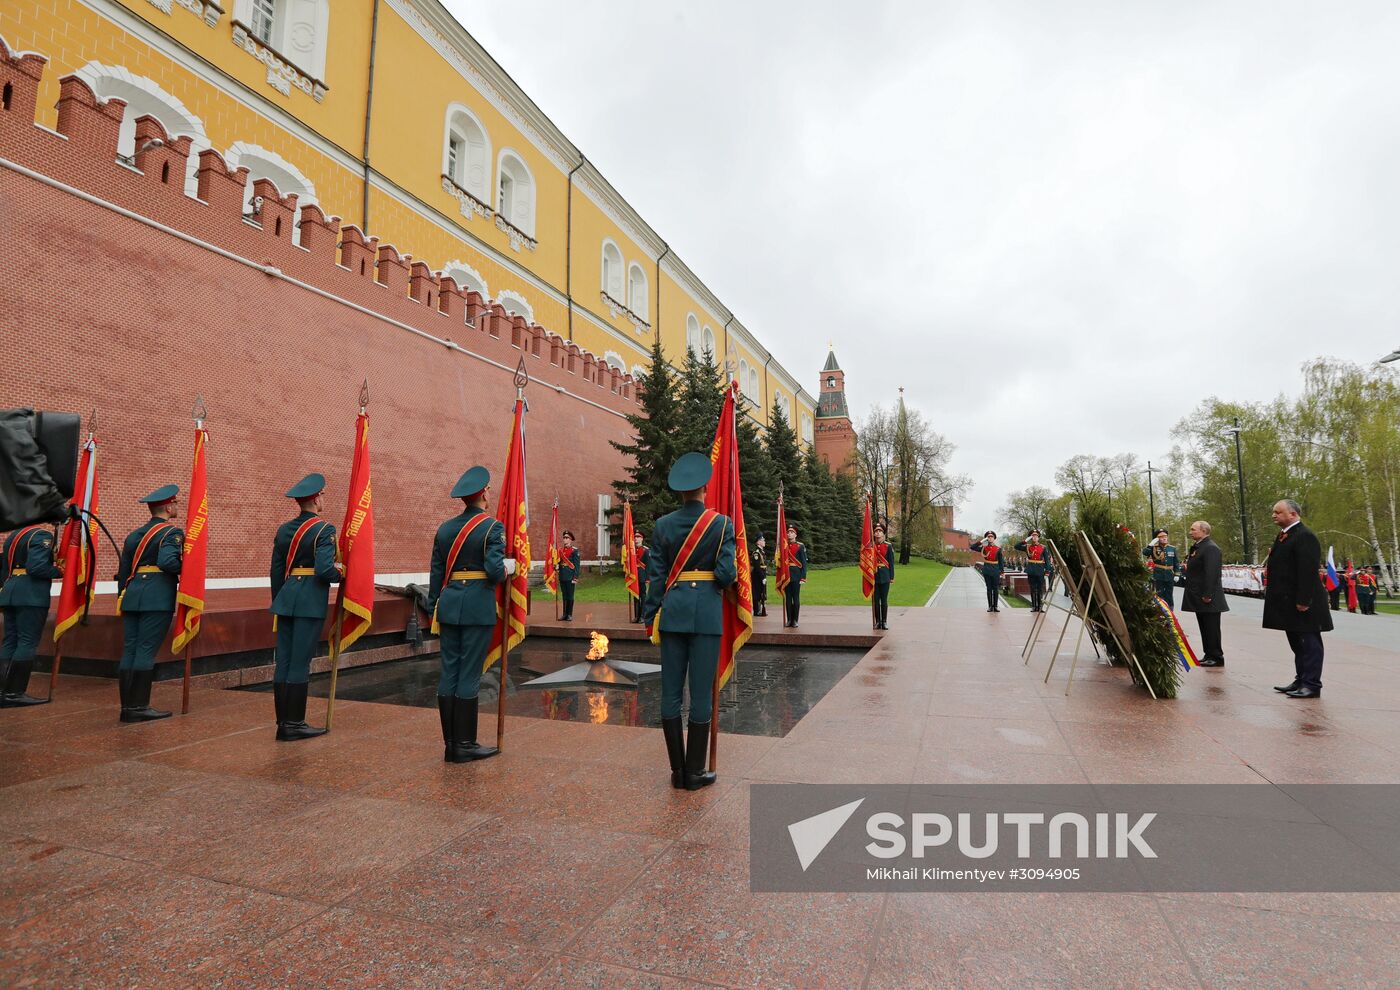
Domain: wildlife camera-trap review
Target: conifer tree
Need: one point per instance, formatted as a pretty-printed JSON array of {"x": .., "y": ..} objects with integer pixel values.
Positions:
[
  {"x": 656, "y": 428},
  {"x": 786, "y": 459},
  {"x": 701, "y": 388},
  {"x": 759, "y": 482}
]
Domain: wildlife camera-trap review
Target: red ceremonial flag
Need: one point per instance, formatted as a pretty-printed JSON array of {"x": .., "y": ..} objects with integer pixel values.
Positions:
[
  {"x": 512, "y": 597},
  {"x": 189, "y": 602},
  {"x": 867, "y": 555},
  {"x": 357, "y": 543},
  {"x": 782, "y": 576},
  {"x": 78, "y": 548},
  {"x": 551, "y": 553},
  {"x": 629, "y": 553},
  {"x": 724, "y": 496}
]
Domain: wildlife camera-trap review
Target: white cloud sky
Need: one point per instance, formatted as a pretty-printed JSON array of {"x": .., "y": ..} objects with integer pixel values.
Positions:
[{"x": 1059, "y": 226}]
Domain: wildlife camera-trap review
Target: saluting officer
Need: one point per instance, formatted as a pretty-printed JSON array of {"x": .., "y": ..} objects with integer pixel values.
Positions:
[
  {"x": 797, "y": 575},
  {"x": 884, "y": 577},
  {"x": 758, "y": 570},
  {"x": 1163, "y": 562},
  {"x": 691, "y": 563},
  {"x": 29, "y": 568},
  {"x": 1366, "y": 585},
  {"x": 1036, "y": 564},
  {"x": 147, "y": 578},
  {"x": 303, "y": 569},
  {"x": 469, "y": 561},
  {"x": 639, "y": 548},
  {"x": 568, "y": 572},
  {"x": 992, "y": 563}
]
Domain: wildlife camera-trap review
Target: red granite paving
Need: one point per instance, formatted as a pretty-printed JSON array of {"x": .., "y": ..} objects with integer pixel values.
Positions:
[{"x": 199, "y": 852}]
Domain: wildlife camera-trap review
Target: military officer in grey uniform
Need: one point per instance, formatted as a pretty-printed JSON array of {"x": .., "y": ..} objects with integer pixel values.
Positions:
[
  {"x": 303, "y": 569},
  {"x": 469, "y": 561},
  {"x": 692, "y": 561},
  {"x": 147, "y": 579},
  {"x": 1165, "y": 567},
  {"x": 29, "y": 570}
]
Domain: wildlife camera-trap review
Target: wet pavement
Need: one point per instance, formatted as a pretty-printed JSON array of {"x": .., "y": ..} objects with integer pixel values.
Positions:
[{"x": 198, "y": 852}]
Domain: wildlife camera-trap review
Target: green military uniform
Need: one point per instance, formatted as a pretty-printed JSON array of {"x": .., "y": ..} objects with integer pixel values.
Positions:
[
  {"x": 1037, "y": 565},
  {"x": 797, "y": 573},
  {"x": 687, "y": 616},
  {"x": 640, "y": 601},
  {"x": 569, "y": 563},
  {"x": 462, "y": 598},
  {"x": 29, "y": 570},
  {"x": 1366, "y": 585},
  {"x": 758, "y": 570},
  {"x": 147, "y": 579},
  {"x": 993, "y": 561},
  {"x": 884, "y": 577},
  {"x": 301, "y": 576},
  {"x": 1165, "y": 567}
]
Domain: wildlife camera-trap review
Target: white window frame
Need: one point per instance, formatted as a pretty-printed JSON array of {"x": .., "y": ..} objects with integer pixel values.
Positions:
[
  {"x": 263, "y": 163},
  {"x": 510, "y": 166},
  {"x": 692, "y": 334},
  {"x": 604, "y": 526},
  {"x": 459, "y": 122},
  {"x": 299, "y": 34},
  {"x": 707, "y": 342},
  {"x": 611, "y": 277},
  {"x": 467, "y": 278},
  {"x": 637, "y": 290},
  {"x": 516, "y": 304}
]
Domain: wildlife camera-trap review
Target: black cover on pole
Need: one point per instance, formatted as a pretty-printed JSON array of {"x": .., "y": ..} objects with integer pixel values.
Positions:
[{"x": 38, "y": 463}]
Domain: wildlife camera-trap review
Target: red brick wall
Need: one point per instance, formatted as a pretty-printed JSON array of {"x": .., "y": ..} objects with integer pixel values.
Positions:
[
  {"x": 835, "y": 441},
  {"x": 104, "y": 312}
]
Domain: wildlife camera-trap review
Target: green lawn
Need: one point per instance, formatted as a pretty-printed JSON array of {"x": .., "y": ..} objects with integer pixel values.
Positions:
[
  {"x": 913, "y": 584},
  {"x": 1387, "y": 608}
]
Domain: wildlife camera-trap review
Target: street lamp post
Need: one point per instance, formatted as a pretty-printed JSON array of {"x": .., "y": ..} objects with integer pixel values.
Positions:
[{"x": 1239, "y": 470}]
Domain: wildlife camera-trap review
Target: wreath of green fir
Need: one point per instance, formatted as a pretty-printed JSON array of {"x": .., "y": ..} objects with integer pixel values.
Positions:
[{"x": 1153, "y": 639}]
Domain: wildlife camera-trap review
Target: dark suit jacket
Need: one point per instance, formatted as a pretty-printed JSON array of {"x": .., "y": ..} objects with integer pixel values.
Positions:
[
  {"x": 1203, "y": 579},
  {"x": 1292, "y": 579}
]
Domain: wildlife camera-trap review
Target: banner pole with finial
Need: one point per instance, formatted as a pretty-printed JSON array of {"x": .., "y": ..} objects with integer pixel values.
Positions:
[
  {"x": 199, "y": 414},
  {"x": 340, "y": 603},
  {"x": 522, "y": 378}
]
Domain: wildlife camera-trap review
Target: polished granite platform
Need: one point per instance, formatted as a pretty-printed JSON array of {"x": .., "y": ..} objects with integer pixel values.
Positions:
[{"x": 198, "y": 852}]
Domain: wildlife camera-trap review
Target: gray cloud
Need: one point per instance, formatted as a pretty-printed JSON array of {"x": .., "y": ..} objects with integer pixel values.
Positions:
[{"x": 1059, "y": 225}]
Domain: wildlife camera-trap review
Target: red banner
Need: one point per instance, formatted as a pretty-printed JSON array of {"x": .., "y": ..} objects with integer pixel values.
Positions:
[
  {"x": 77, "y": 548},
  {"x": 724, "y": 496},
  {"x": 783, "y": 573},
  {"x": 867, "y": 555},
  {"x": 512, "y": 597},
  {"x": 189, "y": 602},
  {"x": 551, "y": 553},
  {"x": 629, "y": 553},
  {"x": 357, "y": 544}
]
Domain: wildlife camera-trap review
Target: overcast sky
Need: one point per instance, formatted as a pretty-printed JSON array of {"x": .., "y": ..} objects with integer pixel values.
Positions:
[{"x": 1057, "y": 225}]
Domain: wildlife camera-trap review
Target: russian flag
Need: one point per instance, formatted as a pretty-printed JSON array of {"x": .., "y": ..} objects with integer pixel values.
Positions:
[{"x": 1332, "y": 580}]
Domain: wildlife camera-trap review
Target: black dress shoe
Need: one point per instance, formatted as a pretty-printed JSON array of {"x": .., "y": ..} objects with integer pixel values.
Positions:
[
  {"x": 1304, "y": 692},
  {"x": 1211, "y": 663},
  {"x": 1288, "y": 687}
]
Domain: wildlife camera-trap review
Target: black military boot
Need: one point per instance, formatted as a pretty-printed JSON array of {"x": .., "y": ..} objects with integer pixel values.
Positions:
[
  {"x": 279, "y": 692},
  {"x": 697, "y": 747},
  {"x": 465, "y": 748},
  {"x": 675, "y": 749},
  {"x": 124, "y": 690},
  {"x": 294, "y": 711},
  {"x": 139, "y": 699},
  {"x": 445, "y": 717},
  {"x": 17, "y": 683}
]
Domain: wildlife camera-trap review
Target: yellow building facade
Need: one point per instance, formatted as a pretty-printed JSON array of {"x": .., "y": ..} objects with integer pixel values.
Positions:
[{"x": 388, "y": 114}]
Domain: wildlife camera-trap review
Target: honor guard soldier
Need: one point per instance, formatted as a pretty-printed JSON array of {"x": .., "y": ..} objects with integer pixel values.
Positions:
[
  {"x": 992, "y": 563},
  {"x": 796, "y": 555},
  {"x": 640, "y": 549},
  {"x": 1037, "y": 561},
  {"x": 1366, "y": 585},
  {"x": 884, "y": 577},
  {"x": 29, "y": 570},
  {"x": 469, "y": 561},
  {"x": 684, "y": 608},
  {"x": 303, "y": 569},
  {"x": 147, "y": 580},
  {"x": 1162, "y": 561},
  {"x": 758, "y": 570},
  {"x": 568, "y": 572}
]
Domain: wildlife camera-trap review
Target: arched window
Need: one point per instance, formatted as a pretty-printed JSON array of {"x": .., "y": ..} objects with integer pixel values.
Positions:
[
  {"x": 515, "y": 303},
  {"x": 753, "y": 384},
  {"x": 295, "y": 29},
  {"x": 466, "y": 277},
  {"x": 637, "y": 290},
  {"x": 692, "y": 334},
  {"x": 614, "y": 360},
  {"x": 807, "y": 427},
  {"x": 466, "y": 152},
  {"x": 144, "y": 97},
  {"x": 612, "y": 270},
  {"x": 515, "y": 194},
  {"x": 743, "y": 377},
  {"x": 707, "y": 341},
  {"x": 785, "y": 406},
  {"x": 264, "y": 164}
]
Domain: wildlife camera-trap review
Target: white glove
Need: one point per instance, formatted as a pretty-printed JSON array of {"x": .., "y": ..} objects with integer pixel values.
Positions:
[{"x": 510, "y": 565}]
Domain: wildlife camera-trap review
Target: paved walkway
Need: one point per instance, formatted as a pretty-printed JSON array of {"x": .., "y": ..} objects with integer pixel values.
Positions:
[{"x": 197, "y": 852}]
